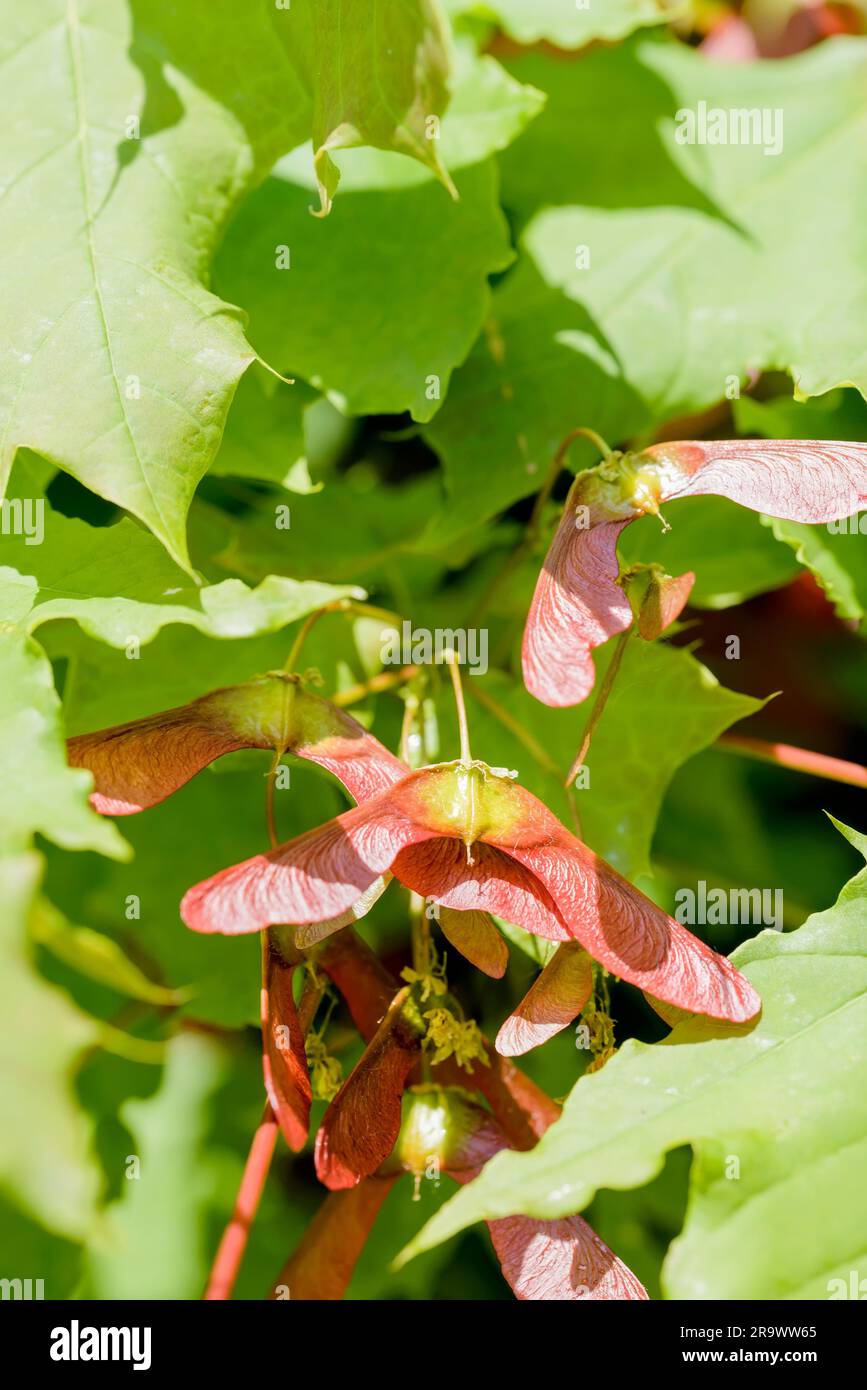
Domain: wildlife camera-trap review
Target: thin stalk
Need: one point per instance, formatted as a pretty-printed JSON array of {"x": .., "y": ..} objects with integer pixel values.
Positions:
[
  {"x": 599, "y": 704},
  {"x": 463, "y": 727},
  {"x": 410, "y": 710},
  {"x": 295, "y": 650},
  {"x": 369, "y": 610},
  {"x": 386, "y": 680},
  {"x": 579, "y": 431},
  {"x": 315, "y": 986},
  {"x": 420, "y": 934},
  {"x": 332, "y": 1004},
  {"x": 227, "y": 1262},
  {"x": 340, "y": 605},
  {"x": 421, "y": 958},
  {"x": 131, "y": 1048},
  {"x": 269, "y": 800},
  {"x": 534, "y": 525},
  {"x": 797, "y": 759},
  {"x": 515, "y": 727},
  {"x": 287, "y": 380},
  {"x": 532, "y": 745}
]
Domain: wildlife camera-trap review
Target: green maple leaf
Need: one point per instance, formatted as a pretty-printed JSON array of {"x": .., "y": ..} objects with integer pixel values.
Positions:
[
  {"x": 537, "y": 369},
  {"x": 381, "y": 78},
  {"x": 152, "y": 1243},
  {"x": 723, "y": 287},
  {"x": 121, "y": 588},
  {"x": 264, "y": 434},
  {"x": 377, "y": 528},
  {"x": 640, "y": 299},
  {"x": 770, "y": 1111},
  {"x": 380, "y": 302},
  {"x": 40, "y": 792},
  {"x": 567, "y": 26},
  {"x": 47, "y": 1162},
  {"x": 835, "y": 557},
  {"x": 120, "y": 364},
  {"x": 97, "y": 957},
  {"x": 380, "y": 334}
]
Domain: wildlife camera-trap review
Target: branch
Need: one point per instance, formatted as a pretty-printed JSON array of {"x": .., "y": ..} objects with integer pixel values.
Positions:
[
  {"x": 798, "y": 759},
  {"x": 228, "y": 1259}
]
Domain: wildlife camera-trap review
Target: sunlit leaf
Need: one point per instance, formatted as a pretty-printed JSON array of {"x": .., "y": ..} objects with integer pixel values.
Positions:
[
  {"x": 637, "y": 299},
  {"x": 47, "y": 1161},
  {"x": 365, "y": 93},
  {"x": 121, "y": 364},
  {"x": 39, "y": 792},
  {"x": 564, "y": 24}
]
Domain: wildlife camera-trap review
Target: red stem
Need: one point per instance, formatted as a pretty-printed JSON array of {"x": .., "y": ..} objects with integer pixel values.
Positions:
[
  {"x": 798, "y": 759},
  {"x": 228, "y": 1259},
  {"x": 599, "y": 704}
]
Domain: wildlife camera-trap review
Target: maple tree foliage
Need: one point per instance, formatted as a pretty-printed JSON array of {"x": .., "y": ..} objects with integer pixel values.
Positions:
[{"x": 432, "y": 613}]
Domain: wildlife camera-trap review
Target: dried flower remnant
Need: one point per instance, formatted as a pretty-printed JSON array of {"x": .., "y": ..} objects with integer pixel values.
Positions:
[{"x": 657, "y": 598}]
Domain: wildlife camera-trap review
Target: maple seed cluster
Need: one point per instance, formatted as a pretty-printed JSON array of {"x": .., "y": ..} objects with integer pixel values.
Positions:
[{"x": 430, "y": 1095}]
